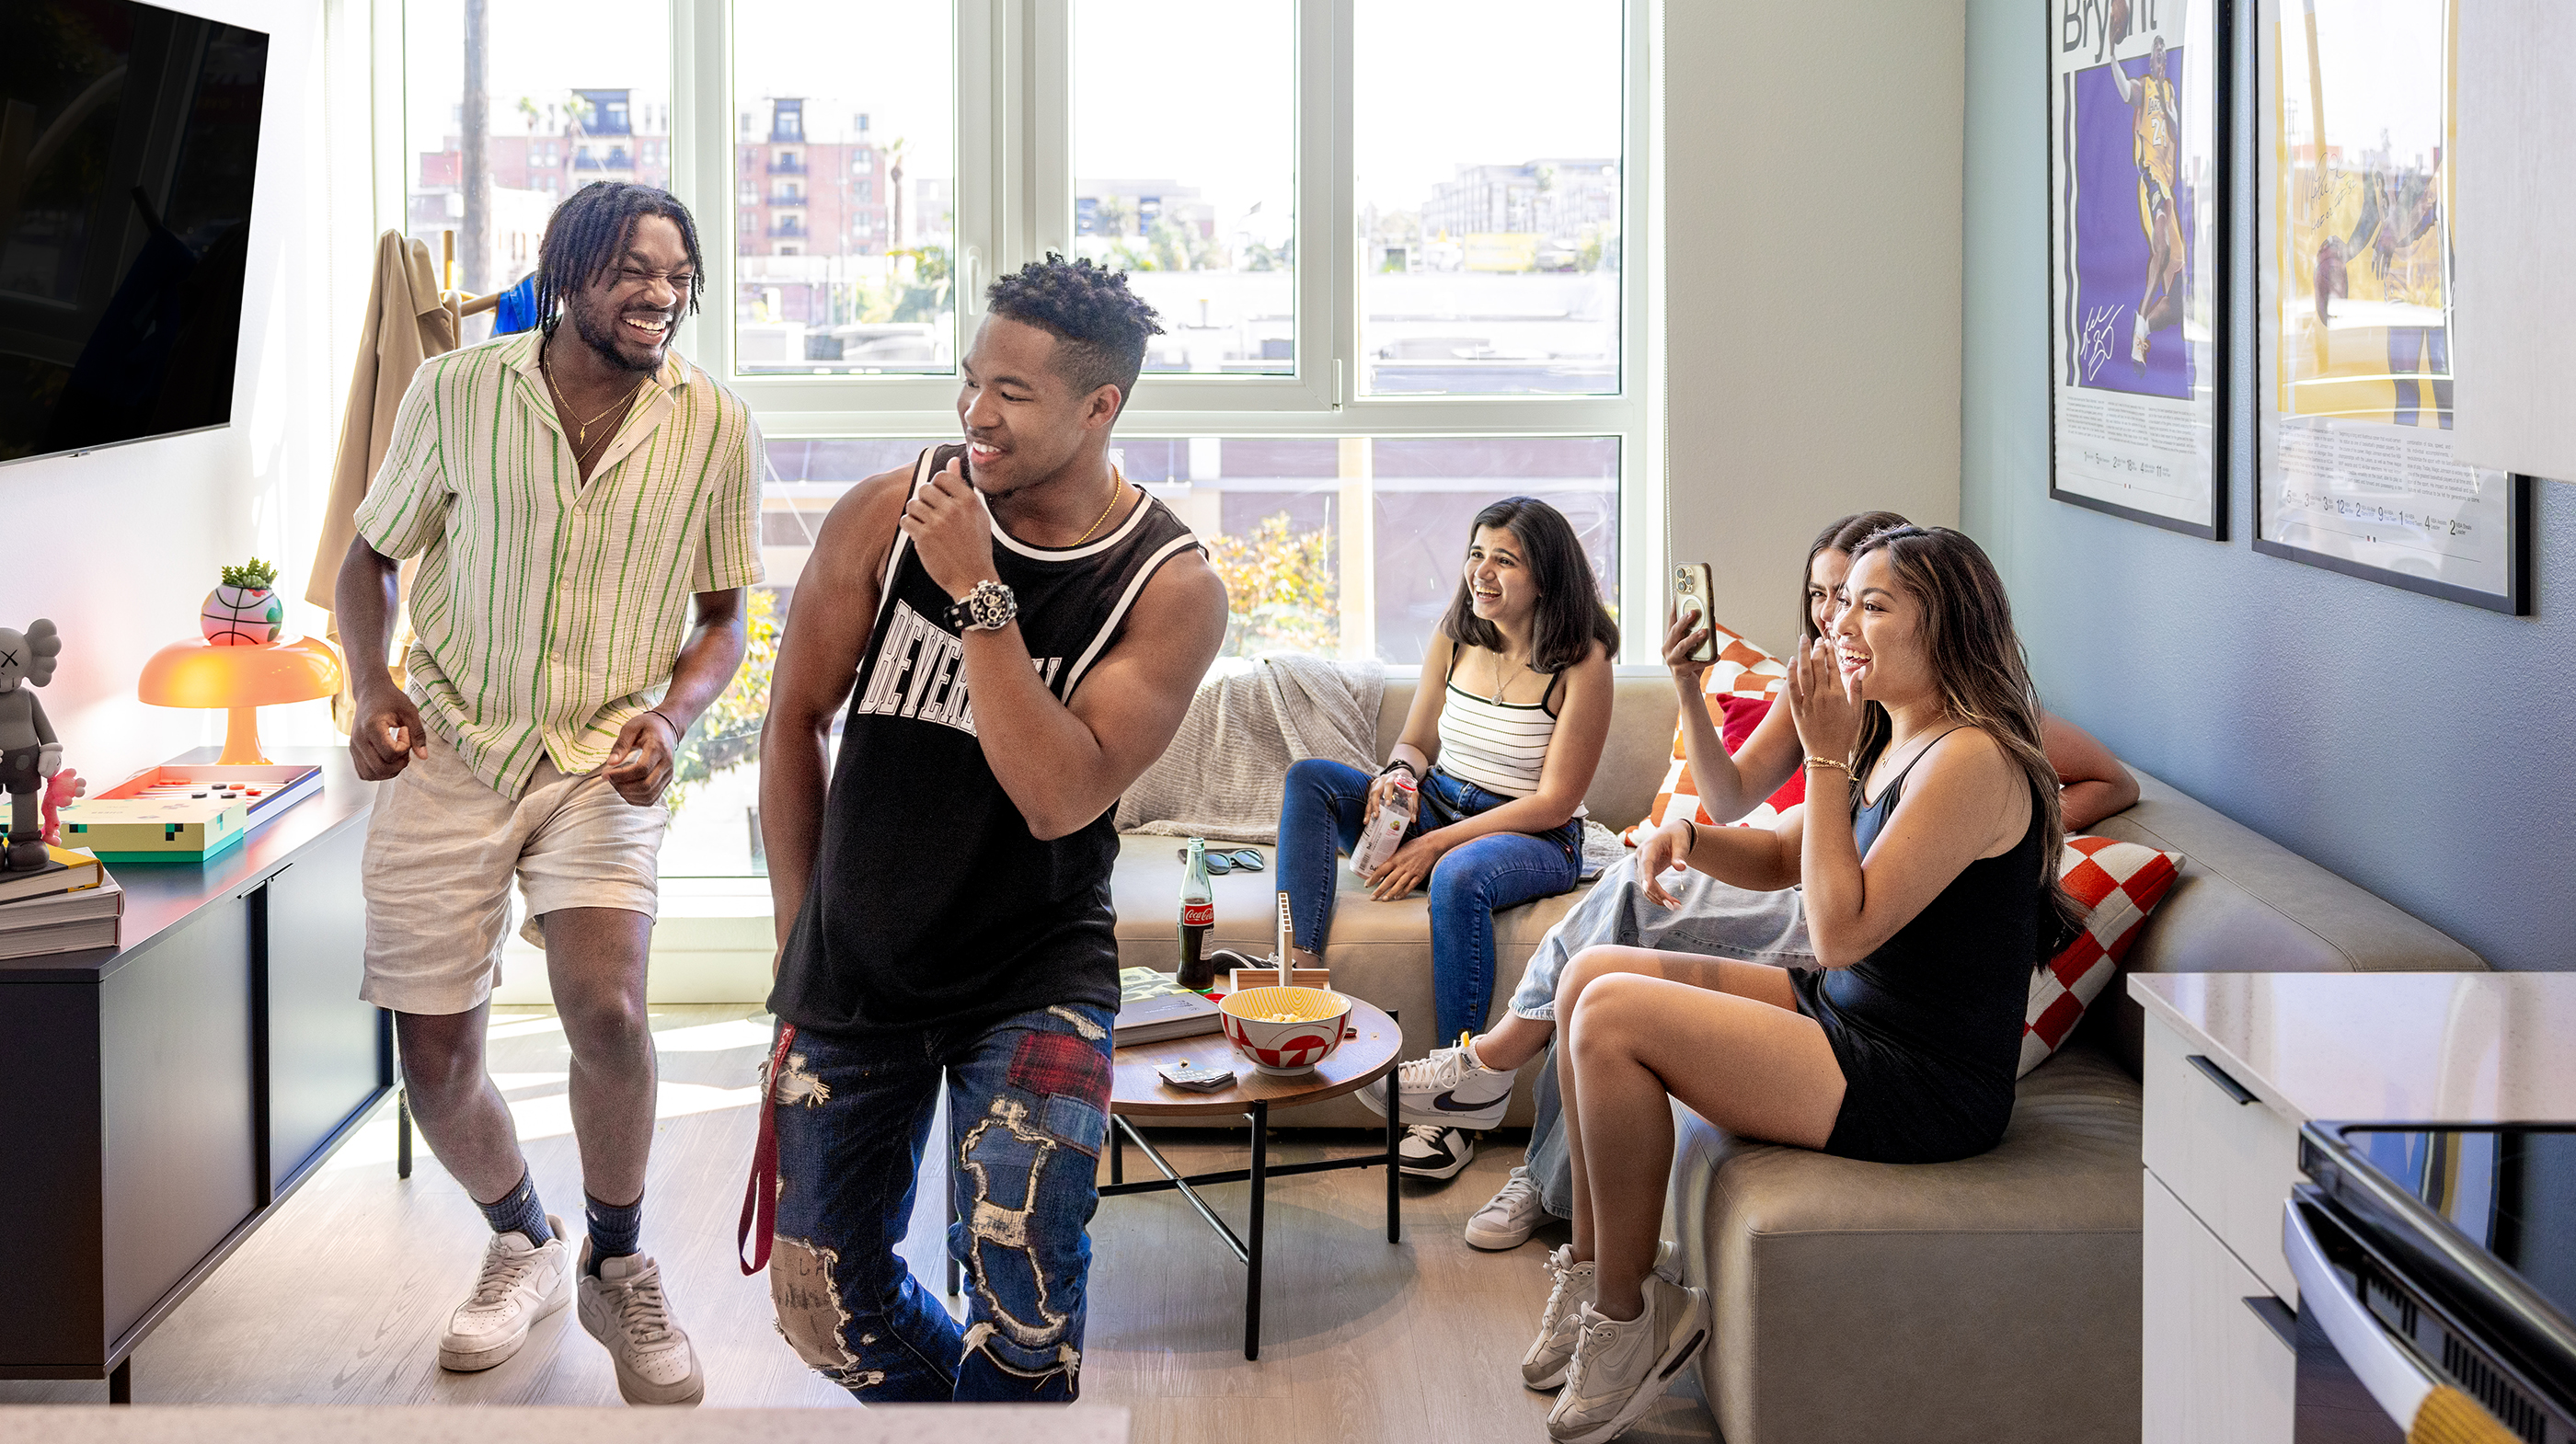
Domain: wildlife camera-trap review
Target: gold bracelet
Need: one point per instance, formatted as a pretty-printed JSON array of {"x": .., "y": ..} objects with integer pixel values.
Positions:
[{"x": 1829, "y": 762}]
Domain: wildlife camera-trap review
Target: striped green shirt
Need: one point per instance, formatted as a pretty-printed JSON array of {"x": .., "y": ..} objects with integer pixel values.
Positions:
[{"x": 549, "y": 610}]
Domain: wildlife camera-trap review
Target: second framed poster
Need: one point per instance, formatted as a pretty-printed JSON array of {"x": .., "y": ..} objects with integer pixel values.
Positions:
[
  {"x": 2353, "y": 464},
  {"x": 2137, "y": 186}
]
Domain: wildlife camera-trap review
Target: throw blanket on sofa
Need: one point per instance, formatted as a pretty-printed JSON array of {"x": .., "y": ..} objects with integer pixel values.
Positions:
[{"x": 1223, "y": 775}]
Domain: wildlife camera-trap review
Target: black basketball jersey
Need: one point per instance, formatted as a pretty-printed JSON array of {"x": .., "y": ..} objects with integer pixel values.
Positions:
[{"x": 931, "y": 901}]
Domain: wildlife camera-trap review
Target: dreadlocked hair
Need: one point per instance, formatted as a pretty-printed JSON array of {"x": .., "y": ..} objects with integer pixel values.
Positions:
[
  {"x": 587, "y": 235},
  {"x": 1967, "y": 632},
  {"x": 1099, "y": 325}
]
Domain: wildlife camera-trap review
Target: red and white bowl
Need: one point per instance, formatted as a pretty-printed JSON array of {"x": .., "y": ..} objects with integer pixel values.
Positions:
[{"x": 1285, "y": 1031}]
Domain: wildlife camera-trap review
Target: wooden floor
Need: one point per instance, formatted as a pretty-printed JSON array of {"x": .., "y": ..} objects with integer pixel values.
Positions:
[{"x": 339, "y": 1299}]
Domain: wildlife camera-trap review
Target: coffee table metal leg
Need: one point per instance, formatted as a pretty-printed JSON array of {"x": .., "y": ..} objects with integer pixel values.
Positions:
[
  {"x": 1394, "y": 1214},
  {"x": 1117, "y": 1155},
  {"x": 1260, "y": 1195}
]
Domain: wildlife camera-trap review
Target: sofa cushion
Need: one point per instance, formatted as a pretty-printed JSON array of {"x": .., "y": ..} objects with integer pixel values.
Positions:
[
  {"x": 1992, "y": 1298},
  {"x": 2245, "y": 904}
]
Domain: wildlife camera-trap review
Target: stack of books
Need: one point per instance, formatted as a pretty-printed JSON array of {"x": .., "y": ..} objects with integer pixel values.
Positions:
[
  {"x": 1154, "y": 1006},
  {"x": 68, "y": 905}
]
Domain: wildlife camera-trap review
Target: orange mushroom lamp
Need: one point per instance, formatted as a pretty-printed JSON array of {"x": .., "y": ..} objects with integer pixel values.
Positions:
[{"x": 241, "y": 680}]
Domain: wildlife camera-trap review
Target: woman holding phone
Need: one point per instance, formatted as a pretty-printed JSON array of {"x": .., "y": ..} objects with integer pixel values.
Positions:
[
  {"x": 1501, "y": 743},
  {"x": 1649, "y": 900}
]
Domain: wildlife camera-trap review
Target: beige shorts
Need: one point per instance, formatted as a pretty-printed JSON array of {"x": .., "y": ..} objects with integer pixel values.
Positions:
[{"x": 442, "y": 848}]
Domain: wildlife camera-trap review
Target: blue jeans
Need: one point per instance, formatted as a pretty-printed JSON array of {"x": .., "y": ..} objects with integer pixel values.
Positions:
[
  {"x": 1028, "y": 1110},
  {"x": 1319, "y": 820}
]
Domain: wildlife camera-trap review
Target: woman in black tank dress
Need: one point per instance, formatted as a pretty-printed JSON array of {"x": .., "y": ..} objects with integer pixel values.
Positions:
[{"x": 1928, "y": 899}]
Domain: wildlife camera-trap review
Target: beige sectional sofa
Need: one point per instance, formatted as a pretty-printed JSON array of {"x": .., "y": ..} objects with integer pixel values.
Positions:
[{"x": 1994, "y": 1299}]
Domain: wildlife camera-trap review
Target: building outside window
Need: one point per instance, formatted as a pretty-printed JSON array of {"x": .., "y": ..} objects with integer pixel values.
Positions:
[{"x": 1355, "y": 358}]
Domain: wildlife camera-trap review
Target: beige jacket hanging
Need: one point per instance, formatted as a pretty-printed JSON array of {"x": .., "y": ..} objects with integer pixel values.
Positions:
[{"x": 407, "y": 323}]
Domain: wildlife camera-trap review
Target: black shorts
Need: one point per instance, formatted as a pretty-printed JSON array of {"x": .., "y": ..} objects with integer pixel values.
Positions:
[{"x": 1899, "y": 1104}]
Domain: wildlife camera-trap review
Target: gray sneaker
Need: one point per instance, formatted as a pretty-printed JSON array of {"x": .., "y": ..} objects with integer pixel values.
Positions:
[
  {"x": 1543, "y": 1367},
  {"x": 1507, "y": 1218},
  {"x": 623, "y": 1307},
  {"x": 519, "y": 1284},
  {"x": 1621, "y": 1367}
]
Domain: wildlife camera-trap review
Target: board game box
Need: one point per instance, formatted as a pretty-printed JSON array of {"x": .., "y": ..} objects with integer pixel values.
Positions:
[{"x": 175, "y": 813}]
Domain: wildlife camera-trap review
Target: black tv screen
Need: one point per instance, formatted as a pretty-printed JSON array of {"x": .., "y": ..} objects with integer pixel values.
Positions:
[{"x": 128, "y": 139}]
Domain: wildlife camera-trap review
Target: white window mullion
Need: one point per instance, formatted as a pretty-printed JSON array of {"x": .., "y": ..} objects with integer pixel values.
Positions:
[
  {"x": 702, "y": 128},
  {"x": 1644, "y": 539}
]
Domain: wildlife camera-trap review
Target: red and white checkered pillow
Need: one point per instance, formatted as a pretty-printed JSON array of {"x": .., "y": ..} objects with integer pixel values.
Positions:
[
  {"x": 2118, "y": 883},
  {"x": 1742, "y": 673}
]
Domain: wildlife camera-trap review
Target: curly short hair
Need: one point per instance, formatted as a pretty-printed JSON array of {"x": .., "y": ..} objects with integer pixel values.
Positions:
[{"x": 1099, "y": 325}]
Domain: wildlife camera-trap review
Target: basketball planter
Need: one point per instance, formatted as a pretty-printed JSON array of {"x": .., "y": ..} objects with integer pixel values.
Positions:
[
  {"x": 1284, "y": 1030},
  {"x": 244, "y": 612}
]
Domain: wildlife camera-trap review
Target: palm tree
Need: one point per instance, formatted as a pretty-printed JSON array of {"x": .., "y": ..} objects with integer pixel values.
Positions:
[{"x": 894, "y": 185}]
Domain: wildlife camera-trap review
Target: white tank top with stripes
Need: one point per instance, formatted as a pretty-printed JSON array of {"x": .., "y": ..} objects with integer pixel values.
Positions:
[{"x": 1498, "y": 746}]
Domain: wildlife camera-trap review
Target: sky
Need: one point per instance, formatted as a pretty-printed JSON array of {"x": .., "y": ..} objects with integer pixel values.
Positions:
[{"x": 1200, "y": 91}]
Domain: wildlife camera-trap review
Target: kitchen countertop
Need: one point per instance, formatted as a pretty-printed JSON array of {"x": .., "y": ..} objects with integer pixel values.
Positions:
[
  {"x": 2417, "y": 1047},
  {"x": 886, "y": 1424}
]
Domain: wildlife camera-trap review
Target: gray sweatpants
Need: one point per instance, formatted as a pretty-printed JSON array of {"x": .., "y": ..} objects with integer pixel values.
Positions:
[{"x": 1712, "y": 919}]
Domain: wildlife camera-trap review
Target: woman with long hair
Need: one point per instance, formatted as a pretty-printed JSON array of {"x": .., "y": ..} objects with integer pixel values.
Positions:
[
  {"x": 1502, "y": 740},
  {"x": 1927, "y": 852},
  {"x": 1644, "y": 902}
]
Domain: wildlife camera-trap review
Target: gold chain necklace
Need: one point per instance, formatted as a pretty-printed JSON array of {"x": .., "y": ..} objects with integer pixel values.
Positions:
[
  {"x": 1117, "y": 489},
  {"x": 581, "y": 429}
]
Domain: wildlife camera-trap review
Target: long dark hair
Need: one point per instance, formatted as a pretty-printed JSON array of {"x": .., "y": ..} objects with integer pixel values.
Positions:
[
  {"x": 1570, "y": 616},
  {"x": 1840, "y": 535},
  {"x": 1978, "y": 662}
]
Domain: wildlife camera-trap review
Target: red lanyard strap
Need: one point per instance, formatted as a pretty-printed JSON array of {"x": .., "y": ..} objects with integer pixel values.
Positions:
[{"x": 760, "y": 1196}]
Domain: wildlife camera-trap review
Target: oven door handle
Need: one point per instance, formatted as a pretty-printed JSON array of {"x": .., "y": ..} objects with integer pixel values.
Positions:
[{"x": 2392, "y": 1375}]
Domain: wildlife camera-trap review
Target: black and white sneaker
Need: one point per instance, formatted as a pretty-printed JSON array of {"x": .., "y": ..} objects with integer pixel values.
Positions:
[{"x": 1430, "y": 1152}]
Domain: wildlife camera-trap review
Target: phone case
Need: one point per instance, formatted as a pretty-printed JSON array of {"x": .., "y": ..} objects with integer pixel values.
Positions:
[{"x": 1691, "y": 585}]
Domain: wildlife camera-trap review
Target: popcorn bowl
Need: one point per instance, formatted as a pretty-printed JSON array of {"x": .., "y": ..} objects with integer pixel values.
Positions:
[{"x": 1284, "y": 1031}]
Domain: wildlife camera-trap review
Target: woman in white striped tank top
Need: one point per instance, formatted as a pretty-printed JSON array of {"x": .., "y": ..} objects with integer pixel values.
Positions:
[{"x": 1504, "y": 735}]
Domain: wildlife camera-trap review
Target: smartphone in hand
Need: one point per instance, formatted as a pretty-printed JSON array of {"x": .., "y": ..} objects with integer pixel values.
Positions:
[{"x": 1692, "y": 585}]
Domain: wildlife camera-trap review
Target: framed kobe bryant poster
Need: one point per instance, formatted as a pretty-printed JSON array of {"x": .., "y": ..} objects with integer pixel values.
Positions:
[
  {"x": 2354, "y": 469},
  {"x": 2138, "y": 173}
]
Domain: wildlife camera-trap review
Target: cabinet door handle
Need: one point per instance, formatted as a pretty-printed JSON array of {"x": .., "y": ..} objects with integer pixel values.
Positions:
[
  {"x": 2218, "y": 1075},
  {"x": 2277, "y": 1317}
]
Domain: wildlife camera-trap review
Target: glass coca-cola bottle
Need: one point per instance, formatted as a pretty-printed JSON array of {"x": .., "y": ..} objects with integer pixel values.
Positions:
[{"x": 1198, "y": 916}]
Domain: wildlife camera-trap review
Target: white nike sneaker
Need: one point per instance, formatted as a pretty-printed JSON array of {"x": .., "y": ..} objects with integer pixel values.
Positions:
[
  {"x": 1448, "y": 1089},
  {"x": 623, "y": 1307},
  {"x": 1621, "y": 1367},
  {"x": 1543, "y": 1367},
  {"x": 1508, "y": 1217},
  {"x": 520, "y": 1283}
]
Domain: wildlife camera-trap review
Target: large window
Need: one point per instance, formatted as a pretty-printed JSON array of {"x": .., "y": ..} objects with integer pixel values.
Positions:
[{"x": 1398, "y": 248}]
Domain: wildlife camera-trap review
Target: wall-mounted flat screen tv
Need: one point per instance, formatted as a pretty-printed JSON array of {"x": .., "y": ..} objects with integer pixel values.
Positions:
[{"x": 128, "y": 138}]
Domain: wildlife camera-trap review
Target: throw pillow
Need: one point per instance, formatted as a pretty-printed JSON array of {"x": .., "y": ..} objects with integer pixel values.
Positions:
[
  {"x": 2118, "y": 883},
  {"x": 1743, "y": 672}
]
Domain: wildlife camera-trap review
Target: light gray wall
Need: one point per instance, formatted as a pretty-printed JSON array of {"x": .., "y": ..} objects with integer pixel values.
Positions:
[
  {"x": 1811, "y": 209},
  {"x": 2418, "y": 747}
]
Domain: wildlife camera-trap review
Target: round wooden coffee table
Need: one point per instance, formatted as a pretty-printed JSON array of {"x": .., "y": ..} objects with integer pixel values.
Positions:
[{"x": 1367, "y": 1053}]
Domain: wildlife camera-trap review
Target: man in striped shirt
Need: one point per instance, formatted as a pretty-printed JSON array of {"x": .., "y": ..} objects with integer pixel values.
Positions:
[{"x": 571, "y": 493}]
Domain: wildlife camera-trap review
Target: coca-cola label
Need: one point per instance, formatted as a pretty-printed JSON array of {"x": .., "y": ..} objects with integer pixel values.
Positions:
[{"x": 1198, "y": 915}]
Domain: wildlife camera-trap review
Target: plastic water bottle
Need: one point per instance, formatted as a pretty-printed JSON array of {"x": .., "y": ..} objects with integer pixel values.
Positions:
[
  {"x": 1383, "y": 833},
  {"x": 1198, "y": 917}
]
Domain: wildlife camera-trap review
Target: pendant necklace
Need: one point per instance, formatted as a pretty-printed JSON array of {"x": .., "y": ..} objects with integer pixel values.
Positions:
[{"x": 581, "y": 429}]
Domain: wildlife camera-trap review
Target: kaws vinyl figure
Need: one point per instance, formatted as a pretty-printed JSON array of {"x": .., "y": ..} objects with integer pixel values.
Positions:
[{"x": 28, "y": 752}]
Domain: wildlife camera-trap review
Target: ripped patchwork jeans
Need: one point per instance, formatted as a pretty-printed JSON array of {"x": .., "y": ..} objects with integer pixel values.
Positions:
[{"x": 1028, "y": 1109}]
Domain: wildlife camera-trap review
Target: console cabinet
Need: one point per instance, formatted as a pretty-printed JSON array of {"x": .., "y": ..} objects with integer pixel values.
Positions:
[{"x": 158, "y": 1101}]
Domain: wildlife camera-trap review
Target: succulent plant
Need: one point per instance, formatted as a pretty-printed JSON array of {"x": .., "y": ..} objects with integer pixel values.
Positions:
[{"x": 256, "y": 575}]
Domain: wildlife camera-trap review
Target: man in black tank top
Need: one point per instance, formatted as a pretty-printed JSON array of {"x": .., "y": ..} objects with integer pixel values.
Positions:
[{"x": 1017, "y": 631}]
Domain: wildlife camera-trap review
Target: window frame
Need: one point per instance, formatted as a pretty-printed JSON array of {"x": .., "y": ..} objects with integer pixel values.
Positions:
[{"x": 1014, "y": 202}]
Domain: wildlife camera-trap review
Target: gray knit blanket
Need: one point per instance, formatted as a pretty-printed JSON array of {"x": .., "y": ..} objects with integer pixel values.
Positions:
[{"x": 1225, "y": 771}]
